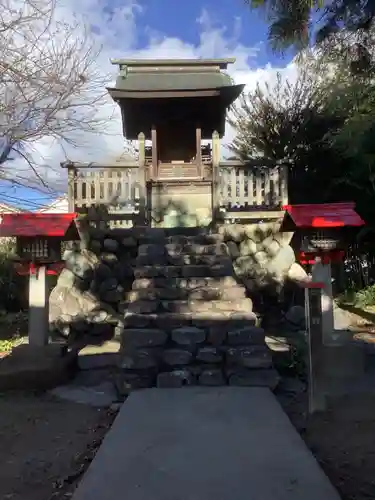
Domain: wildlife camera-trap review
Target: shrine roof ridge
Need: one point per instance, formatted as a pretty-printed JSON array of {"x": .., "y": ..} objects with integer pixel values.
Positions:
[{"x": 222, "y": 63}]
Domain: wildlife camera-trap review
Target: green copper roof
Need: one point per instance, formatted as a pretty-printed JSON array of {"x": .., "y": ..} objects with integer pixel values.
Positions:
[{"x": 172, "y": 75}]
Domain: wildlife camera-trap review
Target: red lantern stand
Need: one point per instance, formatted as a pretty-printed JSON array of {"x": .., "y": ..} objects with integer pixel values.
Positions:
[
  {"x": 38, "y": 239},
  {"x": 321, "y": 234}
]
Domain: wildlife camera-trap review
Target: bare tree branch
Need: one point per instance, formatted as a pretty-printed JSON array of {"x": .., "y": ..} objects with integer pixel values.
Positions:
[{"x": 50, "y": 85}]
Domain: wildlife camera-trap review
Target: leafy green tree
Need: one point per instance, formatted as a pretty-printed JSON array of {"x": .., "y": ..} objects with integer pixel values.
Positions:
[
  {"x": 344, "y": 28},
  {"x": 287, "y": 124}
]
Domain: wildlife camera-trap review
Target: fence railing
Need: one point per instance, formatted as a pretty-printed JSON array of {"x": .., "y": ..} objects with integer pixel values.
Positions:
[
  {"x": 242, "y": 186},
  {"x": 121, "y": 190},
  {"x": 115, "y": 192},
  {"x": 106, "y": 187}
]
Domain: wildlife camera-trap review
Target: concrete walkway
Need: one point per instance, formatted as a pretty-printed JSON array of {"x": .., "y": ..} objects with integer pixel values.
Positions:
[{"x": 204, "y": 444}]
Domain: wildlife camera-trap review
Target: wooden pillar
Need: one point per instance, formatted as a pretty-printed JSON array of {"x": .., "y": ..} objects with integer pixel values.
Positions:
[
  {"x": 142, "y": 178},
  {"x": 215, "y": 174},
  {"x": 154, "y": 152},
  {"x": 283, "y": 173},
  {"x": 198, "y": 158},
  {"x": 71, "y": 188}
]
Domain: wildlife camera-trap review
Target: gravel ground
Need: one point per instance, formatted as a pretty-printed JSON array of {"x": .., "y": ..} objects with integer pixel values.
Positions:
[
  {"x": 342, "y": 439},
  {"x": 46, "y": 444}
]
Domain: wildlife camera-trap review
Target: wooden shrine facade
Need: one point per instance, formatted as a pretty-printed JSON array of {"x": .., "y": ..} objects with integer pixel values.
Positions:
[
  {"x": 176, "y": 110},
  {"x": 122, "y": 188}
]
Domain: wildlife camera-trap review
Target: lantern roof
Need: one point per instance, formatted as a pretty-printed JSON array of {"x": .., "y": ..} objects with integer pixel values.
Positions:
[
  {"x": 36, "y": 224},
  {"x": 324, "y": 215}
]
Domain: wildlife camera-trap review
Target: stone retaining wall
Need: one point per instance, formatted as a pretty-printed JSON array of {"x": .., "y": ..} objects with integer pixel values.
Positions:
[
  {"x": 261, "y": 254},
  {"x": 189, "y": 320},
  {"x": 179, "y": 306}
]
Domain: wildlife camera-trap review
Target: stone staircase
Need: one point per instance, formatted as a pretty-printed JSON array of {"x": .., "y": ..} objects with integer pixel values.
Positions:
[{"x": 189, "y": 322}]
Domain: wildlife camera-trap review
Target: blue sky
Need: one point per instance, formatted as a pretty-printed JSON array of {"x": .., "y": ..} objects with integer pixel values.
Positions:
[
  {"x": 181, "y": 20},
  {"x": 160, "y": 29}
]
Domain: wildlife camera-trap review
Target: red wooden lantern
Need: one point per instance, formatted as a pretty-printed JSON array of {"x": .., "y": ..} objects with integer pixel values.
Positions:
[
  {"x": 321, "y": 234},
  {"x": 39, "y": 238},
  {"x": 322, "y": 230}
]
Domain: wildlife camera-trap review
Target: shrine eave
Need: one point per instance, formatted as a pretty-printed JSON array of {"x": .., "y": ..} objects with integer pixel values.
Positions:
[
  {"x": 228, "y": 93},
  {"x": 222, "y": 63}
]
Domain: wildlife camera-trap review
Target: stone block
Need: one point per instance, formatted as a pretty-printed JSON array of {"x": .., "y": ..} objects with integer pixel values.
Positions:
[
  {"x": 195, "y": 271},
  {"x": 233, "y": 249},
  {"x": 246, "y": 248},
  {"x": 142, "y": 294},
  {"x": 240, "y": 318},
  {"x": 126, "y": 382},
  {"x": 270, "y": 246},
  {"x": 37, "y": 368},
  {"x": 147, "y": 260},
  {"x": 171, "y": 271},
  {"x": 169, "y": 321},
  {"x": 248, "y": 335},
  {"x": 297, "y": 274},
  {"x": 151, "y": 250},
  {"x": 110, "y": 245},
  {"x": 174, "y": 249},
  {"x": 129, "y": 242},
  {"x": 212, "y": 377},
  {"x": 144, "y": 306},
  {"x": 188, "y": 335},
  {"x": 209, "y": 354},
  {"x": 177, "y": 357},
  {"x": 139, "y": 320},
  {"x": 175, "y": 379},
  {"x": 217, "y": 333},
  {"x": 254, "y": 378},
  {"x": 143, "y": 337},
  {"x": 146, "y": 272},
  {"x": 175, "y": 306},
  {"x": 249, "y": 357},
  {"x": 234, "y": 232},
  {"x": 261, "y": 258},
  {"x": 282, "y": 262},
  {"x": 140, "y": 358},
  {"x": 142, "y": 283},
  {"x": 221, "y": 270},
  {"x": 109, "y": 258}
]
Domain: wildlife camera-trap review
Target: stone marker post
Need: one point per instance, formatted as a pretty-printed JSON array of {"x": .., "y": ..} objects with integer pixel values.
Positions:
[
  {"x": 38, "y": 307},
  {"x": 321, "y": 273},
  {"x": 314, "y": 324}
]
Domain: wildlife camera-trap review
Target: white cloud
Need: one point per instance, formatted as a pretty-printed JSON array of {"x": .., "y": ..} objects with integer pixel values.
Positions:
[{"x": 118, "y": 31}]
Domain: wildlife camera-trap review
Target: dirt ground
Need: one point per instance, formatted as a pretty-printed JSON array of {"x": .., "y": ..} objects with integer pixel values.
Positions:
[
  {"x": 46, "y": 444},
  {"x": 342, "y": 440}
]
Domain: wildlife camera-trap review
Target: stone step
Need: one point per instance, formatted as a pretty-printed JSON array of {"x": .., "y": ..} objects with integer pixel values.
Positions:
[
  {"x": 181, "y": 260},
  {"x": 218, "y": 322},
  {"x": 216, "y": 270},
  {"x": 203, "y": 293},
  {"x": 187, "y": 247},
  {"x": 200, "y": 239},
  {"x": 194, "y": 336},
  {"x": 184, "y": 283},
  {"x": 185, "y": 306},
  {"x": 217, "y": 377},
  {"x": 151, "y": 357}
]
